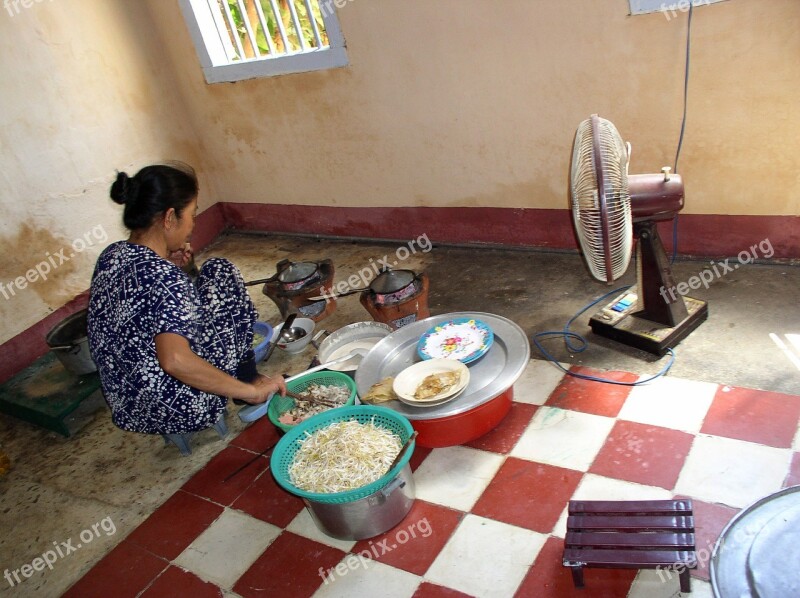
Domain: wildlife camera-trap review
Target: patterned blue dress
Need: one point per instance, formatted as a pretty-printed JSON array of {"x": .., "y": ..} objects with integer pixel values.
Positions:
[{"x": 136, "y": 295}]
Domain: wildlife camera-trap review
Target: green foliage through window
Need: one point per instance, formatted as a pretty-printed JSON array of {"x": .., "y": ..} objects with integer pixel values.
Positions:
[{"x": 284, "y": 35}]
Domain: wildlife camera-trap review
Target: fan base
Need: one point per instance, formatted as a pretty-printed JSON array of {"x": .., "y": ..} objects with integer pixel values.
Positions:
[{"x": 620, "y": 322}]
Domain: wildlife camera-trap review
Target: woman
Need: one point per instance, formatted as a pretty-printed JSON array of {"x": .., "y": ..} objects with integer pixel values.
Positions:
[{"x": 168, "y": 349}]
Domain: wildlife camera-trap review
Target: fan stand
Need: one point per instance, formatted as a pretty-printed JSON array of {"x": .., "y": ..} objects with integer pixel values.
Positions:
[{"x": 651, "y": 315}]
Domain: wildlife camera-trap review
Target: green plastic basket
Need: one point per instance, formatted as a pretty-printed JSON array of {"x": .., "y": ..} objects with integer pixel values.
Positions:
[
  {"x": 279, "y": 405},
  {"x": 284, "y": 452}
]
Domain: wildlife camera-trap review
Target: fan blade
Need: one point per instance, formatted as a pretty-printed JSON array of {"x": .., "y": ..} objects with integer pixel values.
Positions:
[{"x": 600, "y": 198}]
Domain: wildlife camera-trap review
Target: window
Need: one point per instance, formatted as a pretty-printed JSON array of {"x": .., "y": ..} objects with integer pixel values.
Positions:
[{"x": 243, "y": 39}]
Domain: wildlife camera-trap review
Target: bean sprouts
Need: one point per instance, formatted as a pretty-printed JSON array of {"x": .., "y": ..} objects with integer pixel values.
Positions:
[{"x": 343, "y": 456}]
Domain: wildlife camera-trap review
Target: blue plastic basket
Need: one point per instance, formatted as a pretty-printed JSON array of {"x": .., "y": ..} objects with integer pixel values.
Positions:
[
  {"x": 285, "y": 450},
  {"x": 260, "y": 349}
]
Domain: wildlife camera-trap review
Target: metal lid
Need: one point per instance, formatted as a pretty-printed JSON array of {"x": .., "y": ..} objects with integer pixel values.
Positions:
[
  {"x": 297, "y": 271},
  {"x": 731, "y": 568},
  {"x": 391, "y": 281}
]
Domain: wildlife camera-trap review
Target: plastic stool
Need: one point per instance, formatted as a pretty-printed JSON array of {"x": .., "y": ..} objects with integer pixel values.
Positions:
[
  {"x": 648, "y": 534},
  {"x": 182, "y": 440}
]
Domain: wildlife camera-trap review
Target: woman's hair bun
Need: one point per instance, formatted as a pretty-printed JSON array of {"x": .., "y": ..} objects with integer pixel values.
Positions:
[
  {"x": 121, "y": 188},
  {"x": 152, "y": 192}
]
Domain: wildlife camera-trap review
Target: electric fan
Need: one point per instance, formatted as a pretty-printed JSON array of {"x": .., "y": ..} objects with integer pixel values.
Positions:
[{"x": 609, "y": 207}]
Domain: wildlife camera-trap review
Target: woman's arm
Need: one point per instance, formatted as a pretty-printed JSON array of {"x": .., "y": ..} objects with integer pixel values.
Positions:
[{"x": 178, "y": 360}]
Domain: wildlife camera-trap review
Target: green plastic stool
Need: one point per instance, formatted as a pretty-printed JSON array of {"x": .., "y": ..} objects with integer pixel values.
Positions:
[{"x": 46, "y": 394}]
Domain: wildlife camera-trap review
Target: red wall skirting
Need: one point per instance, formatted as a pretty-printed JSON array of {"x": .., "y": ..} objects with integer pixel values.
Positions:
[
  {"x": 699, "y": 235},
  {"x": 209, "y": 224}
]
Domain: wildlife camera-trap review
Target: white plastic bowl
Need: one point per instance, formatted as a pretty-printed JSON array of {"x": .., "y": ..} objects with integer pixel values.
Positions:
[{"x": 298, "y": 345}]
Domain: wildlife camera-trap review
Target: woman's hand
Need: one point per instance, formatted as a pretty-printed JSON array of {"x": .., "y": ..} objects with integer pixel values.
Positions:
[
  {"x": 181, "y": 257},
  {"x": 264, "y": 387}
]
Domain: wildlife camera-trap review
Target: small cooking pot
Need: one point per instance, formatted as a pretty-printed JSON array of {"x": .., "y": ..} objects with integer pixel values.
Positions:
[{"x": 70, "y": 344}]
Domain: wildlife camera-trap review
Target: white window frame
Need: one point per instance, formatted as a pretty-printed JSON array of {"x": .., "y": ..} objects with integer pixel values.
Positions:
[
  {"x": 668, "y": 7},
  {"x": 214, "y": 50}
]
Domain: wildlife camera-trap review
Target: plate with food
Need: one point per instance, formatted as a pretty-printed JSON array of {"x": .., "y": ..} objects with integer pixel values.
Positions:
[
  {"x": 431, "y": 382},
  {"x": 463, "y": 339}
]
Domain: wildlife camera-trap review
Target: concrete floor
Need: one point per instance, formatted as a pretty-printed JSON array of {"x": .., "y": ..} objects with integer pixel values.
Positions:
[{"x": 60, "y": 487}]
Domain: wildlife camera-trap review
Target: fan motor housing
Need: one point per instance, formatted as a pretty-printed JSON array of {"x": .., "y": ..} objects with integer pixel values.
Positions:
[{"x": 655, "y": 198}]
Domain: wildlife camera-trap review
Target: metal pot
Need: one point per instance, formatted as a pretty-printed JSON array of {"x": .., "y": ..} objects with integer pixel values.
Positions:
[
  {"x": 361, "y": 335},
  {"x": 369, "y": 516},
  {"x": 69, "y": 343}
]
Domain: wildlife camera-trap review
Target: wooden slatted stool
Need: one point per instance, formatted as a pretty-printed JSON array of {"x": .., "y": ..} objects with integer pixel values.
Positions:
[{"x": 650, "y": 534}]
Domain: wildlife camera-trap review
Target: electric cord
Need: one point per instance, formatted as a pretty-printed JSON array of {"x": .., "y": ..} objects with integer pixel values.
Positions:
[
  {"x": 569, "y": 335},
  {"x": 683, "y": 122}
]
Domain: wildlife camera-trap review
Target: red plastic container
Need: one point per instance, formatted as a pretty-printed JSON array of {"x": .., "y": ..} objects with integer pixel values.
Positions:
[{"x": 464, "y": 427}]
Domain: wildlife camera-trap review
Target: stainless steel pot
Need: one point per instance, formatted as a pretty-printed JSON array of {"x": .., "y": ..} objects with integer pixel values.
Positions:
[
  {"x": 369, "y": 516},
  {"x": 69, "y": 343}
]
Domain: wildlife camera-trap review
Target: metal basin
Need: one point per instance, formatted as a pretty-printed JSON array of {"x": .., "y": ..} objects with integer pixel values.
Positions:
[
  {"x": 361, "y": 335},
  {"x": 69, "y": 343}
]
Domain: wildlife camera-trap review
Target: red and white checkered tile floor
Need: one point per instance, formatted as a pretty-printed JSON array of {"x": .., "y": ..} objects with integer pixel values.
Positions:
[{"x": 489, "y": 518}]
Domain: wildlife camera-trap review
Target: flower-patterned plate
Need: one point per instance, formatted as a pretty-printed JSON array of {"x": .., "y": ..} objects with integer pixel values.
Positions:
[{"x": 463, "y": 339}]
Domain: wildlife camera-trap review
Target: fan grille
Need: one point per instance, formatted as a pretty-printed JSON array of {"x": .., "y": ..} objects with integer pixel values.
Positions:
[{"x": 593, "y": 224}]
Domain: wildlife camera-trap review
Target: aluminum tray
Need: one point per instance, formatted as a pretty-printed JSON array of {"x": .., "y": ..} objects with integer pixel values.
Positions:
[
  {"x": 491, "y": 375},
  {"x": 730, "y": 565}
]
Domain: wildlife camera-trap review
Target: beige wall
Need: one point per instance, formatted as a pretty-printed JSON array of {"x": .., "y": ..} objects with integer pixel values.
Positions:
[
  {"x": 84, "y": 92},
  {"x": 475, "y": 103},
  {"x": 445, "y": 103}
]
